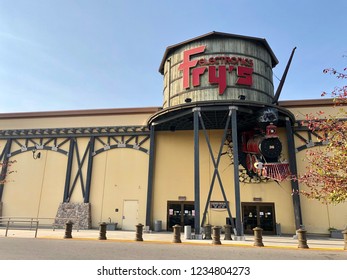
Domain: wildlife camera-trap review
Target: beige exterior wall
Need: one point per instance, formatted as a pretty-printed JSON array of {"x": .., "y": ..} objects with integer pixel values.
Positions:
[
  {"x": 118, "y": 175},
  {"x": 317, "y": 217},
  {"x": 174, "y": 177},
  {"x": 36, "y": 187}
]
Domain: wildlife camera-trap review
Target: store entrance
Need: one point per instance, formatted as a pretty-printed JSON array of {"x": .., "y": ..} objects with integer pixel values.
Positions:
[
  {"x": 259, "y": 214},
  {"x": 180, "y": 213}
]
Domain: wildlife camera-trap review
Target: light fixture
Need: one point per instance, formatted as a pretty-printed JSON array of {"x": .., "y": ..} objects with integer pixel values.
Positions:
[{"x": 36, "y": 156}]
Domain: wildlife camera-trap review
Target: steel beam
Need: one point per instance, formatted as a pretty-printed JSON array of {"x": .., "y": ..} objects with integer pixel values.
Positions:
[
  {"x": 293, "y": 170},
  {"x": 150, "y": 176},
  {"x": 66, "y": 197},
  {"x": 239, "y": 229},
  {"x": 216, "y": 164},
  {"x": 89, "y": 169},
  {"x": 73, "y": 132},
  {"x": 196, "y": 172}
]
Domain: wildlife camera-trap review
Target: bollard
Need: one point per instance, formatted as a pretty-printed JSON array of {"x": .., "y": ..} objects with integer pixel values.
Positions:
[
  {"x": 139, "y": 231},
  {"x": 258, "y": 237},
  {"x": 102, "y": 231},
  {"x": 345, "y": 238},
  {"x": 302, "y": 239},
  {"x": 177, "y": 234},
  {"x": 68, "y": 229},
  {"x": 208, "y": 232},
  {"x": 216, "y": 235},
  {"x": 227, "y": 230}
]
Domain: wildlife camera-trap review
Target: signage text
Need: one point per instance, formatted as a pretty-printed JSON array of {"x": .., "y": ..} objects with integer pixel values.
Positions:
[{"x": 217, "y": 67}]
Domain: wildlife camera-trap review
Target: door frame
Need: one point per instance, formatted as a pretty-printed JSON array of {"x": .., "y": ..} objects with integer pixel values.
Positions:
[
  {"x": 182, "y": 203},
  {"x": 257, "y": 205}
]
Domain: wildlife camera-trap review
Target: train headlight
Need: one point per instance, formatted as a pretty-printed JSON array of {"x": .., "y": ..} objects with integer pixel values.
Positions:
[{"x": 258, "y": 165}]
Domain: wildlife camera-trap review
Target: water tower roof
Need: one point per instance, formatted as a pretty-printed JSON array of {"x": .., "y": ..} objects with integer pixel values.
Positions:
[{"x": 216, "y": 34}]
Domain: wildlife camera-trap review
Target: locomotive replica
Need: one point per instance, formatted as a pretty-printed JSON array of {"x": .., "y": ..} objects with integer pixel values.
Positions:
[{"x": 261, "y": 152}]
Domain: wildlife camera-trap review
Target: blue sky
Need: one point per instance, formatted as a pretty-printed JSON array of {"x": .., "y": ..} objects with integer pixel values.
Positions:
[{"x": 94, "y": 54}]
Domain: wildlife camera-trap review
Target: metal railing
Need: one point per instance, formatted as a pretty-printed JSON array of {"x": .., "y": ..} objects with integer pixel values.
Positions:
[
  {"x": 30, "y": 223},
  {"x": 20, "y": 223}
]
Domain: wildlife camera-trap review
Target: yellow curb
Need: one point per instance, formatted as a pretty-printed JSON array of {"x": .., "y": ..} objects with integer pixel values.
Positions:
[{"x": 190, "y": 243}]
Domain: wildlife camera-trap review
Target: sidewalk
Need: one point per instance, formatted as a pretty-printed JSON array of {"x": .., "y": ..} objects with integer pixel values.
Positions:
[{"x": 313, "y": 242}]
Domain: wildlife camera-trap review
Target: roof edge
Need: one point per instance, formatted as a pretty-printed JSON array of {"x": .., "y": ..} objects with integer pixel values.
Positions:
[
  {"x": 307, "y": 103},
  {"x": 80, "y": 113},
  {"x": 262, "y": 40}
]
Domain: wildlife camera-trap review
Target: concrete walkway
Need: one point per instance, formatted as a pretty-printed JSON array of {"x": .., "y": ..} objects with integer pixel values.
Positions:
[{"x": 313, "y": 242}]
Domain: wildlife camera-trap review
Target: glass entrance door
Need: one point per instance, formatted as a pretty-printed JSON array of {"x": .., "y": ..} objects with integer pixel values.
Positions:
[
  {"x": 259, "y": 214},
  {"x": 180, "y": 213}
]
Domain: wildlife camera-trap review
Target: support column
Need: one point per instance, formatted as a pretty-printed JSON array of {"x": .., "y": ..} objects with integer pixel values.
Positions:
[
  {"x": 196, "y": 172},
  {"x": 239, "y": 229},
  {"x": 89, "y": 169},
  {"x": 68, "y": 170},
  {"x": 293, "y": 170},
  {"x": 150, "y": 177}
]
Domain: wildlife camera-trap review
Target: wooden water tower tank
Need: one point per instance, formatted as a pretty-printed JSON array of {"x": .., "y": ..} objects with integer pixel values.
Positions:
[{"x": 218, "y": 67}]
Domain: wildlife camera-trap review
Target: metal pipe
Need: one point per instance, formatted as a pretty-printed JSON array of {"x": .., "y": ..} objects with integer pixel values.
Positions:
[{"x": 280, "y": 86}]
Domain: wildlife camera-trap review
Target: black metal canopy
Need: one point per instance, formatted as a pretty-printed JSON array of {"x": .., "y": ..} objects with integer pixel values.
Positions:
[{"x": 215, "y": 115}]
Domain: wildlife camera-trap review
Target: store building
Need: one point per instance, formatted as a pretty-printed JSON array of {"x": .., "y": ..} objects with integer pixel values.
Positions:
[{"x": 220, "y": 150}]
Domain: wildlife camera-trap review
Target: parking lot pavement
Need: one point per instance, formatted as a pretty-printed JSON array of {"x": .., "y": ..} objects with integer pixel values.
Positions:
[{"x": 313, "y": 242}]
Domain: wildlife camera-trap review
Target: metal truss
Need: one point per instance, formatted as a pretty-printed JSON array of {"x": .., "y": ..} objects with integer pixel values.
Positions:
[
  {"x": 306, "y": 136},
  {"x": 73, "y": 132},
  {"x": 216, "y": 164},
  {"x": 66, "y": 141}
]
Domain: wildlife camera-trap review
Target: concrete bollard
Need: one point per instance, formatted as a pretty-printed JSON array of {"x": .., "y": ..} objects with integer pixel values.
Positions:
[
  {"x": 176, "y": 234},
  {"x": 139, "y": 231},
  {"x": 302, "y": 239},
  {"x": 227, "y": 232},
  {"x": 345, "y": 238},
  {"x": 68, "y": 229},
  {"x": 208, "y": 232},
  {"x": 102, "y": 231},
  {"x": 216, "y": 235},
  {"x": 258, "y": 237}
]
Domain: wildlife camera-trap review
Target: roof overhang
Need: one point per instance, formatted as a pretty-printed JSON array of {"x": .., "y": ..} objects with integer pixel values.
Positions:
[
  {"x": 181, "y": 117},
  {"x": 218, "y": 35}
]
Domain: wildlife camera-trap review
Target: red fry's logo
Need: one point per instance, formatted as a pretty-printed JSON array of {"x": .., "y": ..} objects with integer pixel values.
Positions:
[
  {"x": 217, "y": 67},
  {"x": 187, "y": 64}
]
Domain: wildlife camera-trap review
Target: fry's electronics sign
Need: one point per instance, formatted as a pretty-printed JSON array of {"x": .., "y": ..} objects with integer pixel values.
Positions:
[{"x": 218, "y": 68}]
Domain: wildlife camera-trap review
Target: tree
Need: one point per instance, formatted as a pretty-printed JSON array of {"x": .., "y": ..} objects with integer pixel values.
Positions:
[{"x": 326, "y": 172}]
